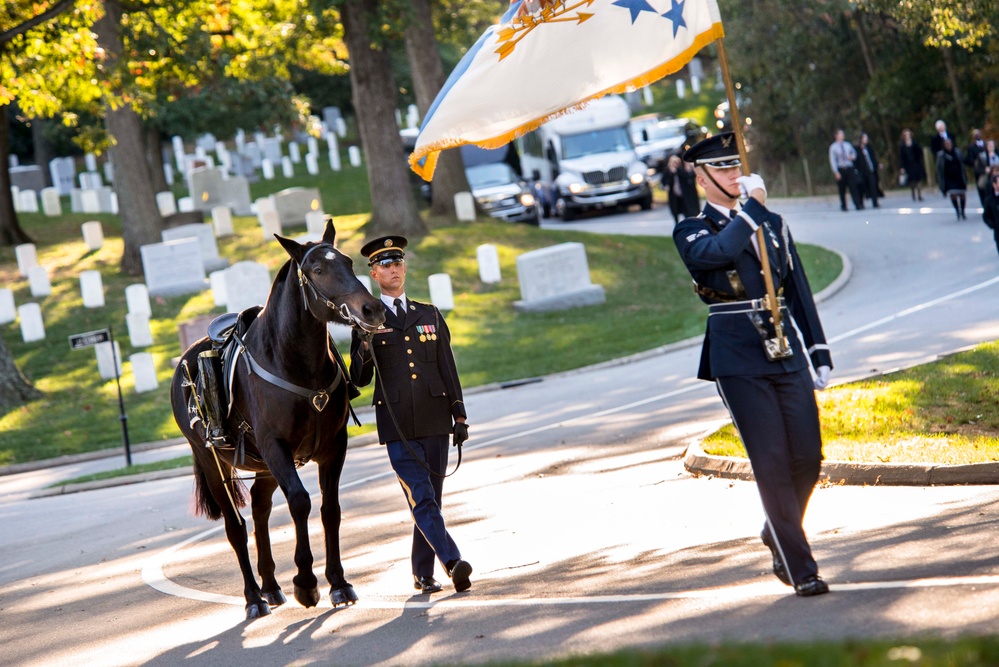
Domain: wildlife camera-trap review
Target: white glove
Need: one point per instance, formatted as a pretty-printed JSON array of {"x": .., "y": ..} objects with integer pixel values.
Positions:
[
  {"x": 822, "y": 377},
  {"x": 749, "y": 183}
]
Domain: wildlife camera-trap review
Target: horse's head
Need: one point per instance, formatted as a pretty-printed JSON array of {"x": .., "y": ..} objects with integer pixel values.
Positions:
[{"x": 331, "y": 291}]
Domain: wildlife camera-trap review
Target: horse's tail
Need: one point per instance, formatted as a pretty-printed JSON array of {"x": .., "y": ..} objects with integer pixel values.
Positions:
[{"x": 205, "y": 502}]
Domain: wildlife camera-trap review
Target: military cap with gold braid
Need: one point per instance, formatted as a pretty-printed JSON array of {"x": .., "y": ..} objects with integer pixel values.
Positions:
[
  {"x": 385, "y": 250},
  {"x": 719, "y": 151}
]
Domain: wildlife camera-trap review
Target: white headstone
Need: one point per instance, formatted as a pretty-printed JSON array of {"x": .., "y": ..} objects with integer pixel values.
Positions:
[
  {"x": 695, "y": 84},
  {"x": 681, "y": 88},
  {"x": 51, "y": 205},
  {"x": 174, "y": 267},
  {"x": 114, "y": 203},
  {"x": 8, "y": 313},
  {"x": 332, "y": 145},
  {"x": 217, "y": 281},
  {"x": 185, "y": 204},
  {"x": 166, "y": 203},
  {"x": 265, "y": 204},
  {"x": 93, "y": 234},
  {"x": 647, "y": 96},
  {"x": 222, "y": 221},
  {"x": 441, "y": 293},
  {"x": 313, "y": 146},
  {"x": 92, "y": 288},
  {"x": 464, "y": 206},
  {"x": 144, "y": 372},
  {"x": 354, "y": 153},
  {"x": 139, "y": 333},
  {"x": 76, "y": 200},
  {"x": 137, "y": 299},
  {"x": 15, "y": 195},
  {"x": 38, "y": 281},
  {"x": 292, "y": 204},
  {"x": 235, "y": 193},
  {"x": 287, "y": 169},
  {"x": 270, "y": 223},
  {"x": 246, "y": 284},
  {"x": 398, "y": 117},
  {"x": 366, "y": 281},
  {"x": 63, "y": 172},
  {"x": 340, "y": 125},
  {"x": 271, "y": 148},
  {"x": 489, "y": 264},
  {"x": 267, "y": 168},
  {"x": 205, "y": 234},
  {"x": 28, "y": 201},
  {"x": 556, "y": 278},
  {"x": 312, "y": 164},
  {"x": 339, "y": 332},
  {"x": 27, "y": 257},
  {"x": 200, "y": 152},
  {"x": 315, "y": 222},
  {"x": 168, "y": 173},
  {"x": 294, "y": 152},
  {"x": 32, "y": 328},
  {"x": 177, "y": 143},
  {"x": 205, "y": 185},
  {"x": 13, "y": 161},
  {"x": 105, "y": 197},
  {"x": 108, "y": 170},
  {"x": 91, "y": 161},
  {"x": 335, "y": 160},
  {"x": 108, "y": 359}
]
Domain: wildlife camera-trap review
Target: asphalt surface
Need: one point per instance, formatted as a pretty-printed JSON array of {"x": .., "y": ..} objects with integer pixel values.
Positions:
[{"x": 585, "y": 530}]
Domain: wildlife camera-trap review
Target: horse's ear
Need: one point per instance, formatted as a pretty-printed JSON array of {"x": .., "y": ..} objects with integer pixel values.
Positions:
[
  {"x": 295, "y": 249},
  {"x": 329, "y": 234}
]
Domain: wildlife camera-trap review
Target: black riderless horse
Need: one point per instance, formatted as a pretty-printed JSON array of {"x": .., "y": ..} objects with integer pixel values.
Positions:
[{"x": 289, "y": 405}]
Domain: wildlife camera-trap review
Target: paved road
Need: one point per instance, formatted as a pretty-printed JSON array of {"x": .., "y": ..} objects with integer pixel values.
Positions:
[{"x": 584, "y": 529}]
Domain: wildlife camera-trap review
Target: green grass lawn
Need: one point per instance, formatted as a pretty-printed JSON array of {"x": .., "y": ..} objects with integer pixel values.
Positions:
[{"x": 942, "y": 412}]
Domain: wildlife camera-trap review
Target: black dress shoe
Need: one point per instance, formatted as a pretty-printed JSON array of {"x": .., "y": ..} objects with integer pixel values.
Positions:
[
  {"x": 426, "y": 584},
  {"x": 459, "y": 571},
  {"x": 812, "y": 585},
  {"x": 780, "y": 571}
]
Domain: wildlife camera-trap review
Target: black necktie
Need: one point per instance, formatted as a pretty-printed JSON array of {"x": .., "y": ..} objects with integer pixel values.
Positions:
[
  {"x": 399, "y": 310},
  {"x": 732, "y": 214}
]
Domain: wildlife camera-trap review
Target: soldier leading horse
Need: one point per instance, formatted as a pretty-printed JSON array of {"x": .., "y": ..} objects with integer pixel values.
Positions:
[{"x": 277, "y": 420}]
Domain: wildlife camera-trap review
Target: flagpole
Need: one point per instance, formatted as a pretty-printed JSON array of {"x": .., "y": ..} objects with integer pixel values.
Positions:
[
  {"x": 733, "y": 108},
  {"x": 733, "y": 113}
]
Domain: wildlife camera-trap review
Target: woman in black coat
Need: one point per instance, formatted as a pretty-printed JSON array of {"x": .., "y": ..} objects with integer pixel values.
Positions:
[
  {"x": 950, "y": 176},
  {"x": 910, "y": 159},
  {"x": 680, "y": 184}
]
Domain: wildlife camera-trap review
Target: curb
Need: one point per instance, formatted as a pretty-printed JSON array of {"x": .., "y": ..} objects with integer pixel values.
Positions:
[{"x": 854, "y": 474}]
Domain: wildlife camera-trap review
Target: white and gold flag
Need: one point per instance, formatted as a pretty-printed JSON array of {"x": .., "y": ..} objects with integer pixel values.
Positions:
[{"x": 547, "y": 57}]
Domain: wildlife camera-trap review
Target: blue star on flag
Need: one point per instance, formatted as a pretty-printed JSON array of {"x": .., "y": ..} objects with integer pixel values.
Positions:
[
  {"x": 675, "y": 14},
  {"x": 636, "y": 7}
]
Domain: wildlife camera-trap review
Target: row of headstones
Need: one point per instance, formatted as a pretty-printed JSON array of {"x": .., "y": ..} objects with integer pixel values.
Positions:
[{"x": 82, "y": 200}]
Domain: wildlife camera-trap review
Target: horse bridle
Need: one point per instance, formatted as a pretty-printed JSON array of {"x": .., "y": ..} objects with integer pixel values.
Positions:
[{"x": 342, "y": 309}]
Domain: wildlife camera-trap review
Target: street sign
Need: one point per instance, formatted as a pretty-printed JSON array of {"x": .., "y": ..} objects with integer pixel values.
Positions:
[{"x": 89, "y": 339}]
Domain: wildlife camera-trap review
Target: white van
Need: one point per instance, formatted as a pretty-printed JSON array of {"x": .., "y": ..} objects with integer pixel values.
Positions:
[{"x": 586, "y": 160}]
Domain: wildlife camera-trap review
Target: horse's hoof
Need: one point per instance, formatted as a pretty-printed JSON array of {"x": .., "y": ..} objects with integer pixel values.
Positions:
[
  {"x": 274, "y": 598},
  {"x": 307, "y": 597},
  {"x": 256, "y": 610},
  {"x": 344, "y": 595}
]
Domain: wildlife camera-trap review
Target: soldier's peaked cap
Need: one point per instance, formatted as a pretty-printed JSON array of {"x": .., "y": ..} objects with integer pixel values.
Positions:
[
  {"x": 719, "y": 151},
  {"x": 385, "y": 250}
]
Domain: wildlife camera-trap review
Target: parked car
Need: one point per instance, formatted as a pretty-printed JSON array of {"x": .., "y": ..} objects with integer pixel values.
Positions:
[{"x": 501, "y": 193}]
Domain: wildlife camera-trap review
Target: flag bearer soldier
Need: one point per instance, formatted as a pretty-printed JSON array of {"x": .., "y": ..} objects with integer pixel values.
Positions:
[
  {"x": 757, "y": 361},
  {"x": 418, "y": 393}
]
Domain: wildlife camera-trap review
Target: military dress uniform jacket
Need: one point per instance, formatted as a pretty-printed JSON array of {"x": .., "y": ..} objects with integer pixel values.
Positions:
[
  {"x": 418, "y": 374},
  {"x": 720, "y": 255}
]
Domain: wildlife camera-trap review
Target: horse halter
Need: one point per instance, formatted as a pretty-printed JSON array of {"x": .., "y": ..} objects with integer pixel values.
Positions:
[{"x": 303, "y": 281}]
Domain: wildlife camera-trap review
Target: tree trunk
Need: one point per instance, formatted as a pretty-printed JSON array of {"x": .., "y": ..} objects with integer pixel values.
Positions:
[
  {"x": 141, "y": 222},
  {"x": 43, "y": 147},
  {"x": 886, "y": 154},
  {"x": 10, "y": 229},
  {"x": 393, "y": 207},
  {"x": 154, "y": 156},
  {"x": 428, "y": 79},
  {"x": 15, "y": 390},
  {"x": 955, "y": 89}
]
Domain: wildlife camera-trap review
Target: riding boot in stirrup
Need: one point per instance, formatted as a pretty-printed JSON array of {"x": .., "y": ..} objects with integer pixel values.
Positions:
[{"x": 209, "y": 376}]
